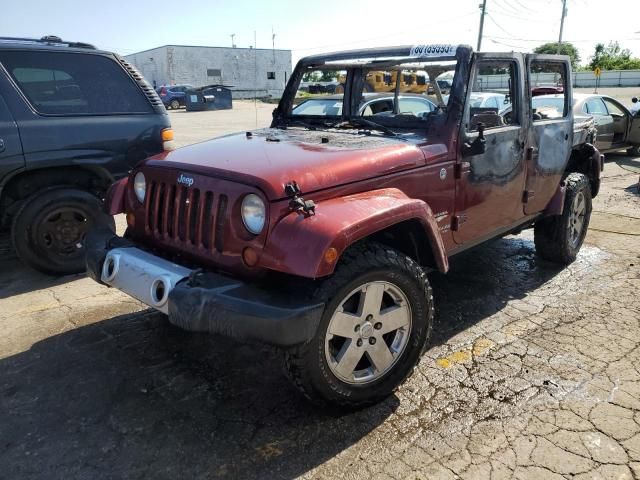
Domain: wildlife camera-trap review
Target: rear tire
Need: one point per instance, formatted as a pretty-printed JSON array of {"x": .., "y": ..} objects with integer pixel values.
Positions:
[
  {"x": 49, "y": 228},
  {"x": 360, "y": 354},
  {"x": 559, "y": 238}
]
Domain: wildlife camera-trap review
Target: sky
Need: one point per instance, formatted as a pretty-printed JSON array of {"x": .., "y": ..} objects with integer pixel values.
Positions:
[{"x": 310, "y": 27}]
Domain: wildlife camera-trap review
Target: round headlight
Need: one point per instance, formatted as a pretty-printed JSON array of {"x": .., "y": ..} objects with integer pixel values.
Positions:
[
  {"x": 140, "y": 186},
  {"x": 253, "y": 213}
]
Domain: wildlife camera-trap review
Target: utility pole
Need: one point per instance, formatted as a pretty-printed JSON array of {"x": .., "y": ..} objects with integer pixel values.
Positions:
[
  {"x": 564, "y": 14},
  {"x": 483, "y": 10},
  {"x": 273, "y": 45},
  {"x": 233, "y": 44}
]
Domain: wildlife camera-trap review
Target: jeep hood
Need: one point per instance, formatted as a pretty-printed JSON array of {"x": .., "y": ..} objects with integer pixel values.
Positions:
[{"x": 270, "y": 158}]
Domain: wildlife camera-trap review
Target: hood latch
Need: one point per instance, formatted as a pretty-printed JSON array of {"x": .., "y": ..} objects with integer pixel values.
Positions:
[{"x": 296, "y": 202}]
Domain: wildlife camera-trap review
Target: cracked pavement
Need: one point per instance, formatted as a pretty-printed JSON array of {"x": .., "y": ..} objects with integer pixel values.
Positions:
[{"x": 533, "y": 373}]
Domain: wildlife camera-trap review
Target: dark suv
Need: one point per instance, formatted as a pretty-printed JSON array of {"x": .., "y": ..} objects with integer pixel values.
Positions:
[{"x": 72, "y": 120}]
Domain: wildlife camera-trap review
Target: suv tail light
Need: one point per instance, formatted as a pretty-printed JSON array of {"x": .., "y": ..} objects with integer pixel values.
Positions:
[{"x": 167, "y": 140}]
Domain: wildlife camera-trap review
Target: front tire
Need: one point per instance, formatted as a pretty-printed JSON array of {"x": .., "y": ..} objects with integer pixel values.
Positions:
[
  {"x": 377, "y": 321},
  {"x": 559, "y": 238},
  {"x": 48, "y": 230},
  {"x": 175, "y": 104}
]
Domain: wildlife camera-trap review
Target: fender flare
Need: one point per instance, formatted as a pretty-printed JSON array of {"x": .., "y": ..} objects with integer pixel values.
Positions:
[{"x": 297, "y": 243}]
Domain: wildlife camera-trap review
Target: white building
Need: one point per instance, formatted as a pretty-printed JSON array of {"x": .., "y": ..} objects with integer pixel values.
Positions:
[{"x": 249, "y": 71}]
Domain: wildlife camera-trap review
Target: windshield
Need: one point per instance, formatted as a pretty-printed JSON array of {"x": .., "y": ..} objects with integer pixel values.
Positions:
[{"x": 393, "y": 93}]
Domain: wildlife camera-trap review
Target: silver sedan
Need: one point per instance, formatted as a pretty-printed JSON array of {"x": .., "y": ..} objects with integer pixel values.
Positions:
[{"x": 617, "y": 127}]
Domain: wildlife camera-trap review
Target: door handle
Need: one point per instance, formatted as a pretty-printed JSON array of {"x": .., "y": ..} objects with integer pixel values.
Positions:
[{"x": 2, "y": 147}]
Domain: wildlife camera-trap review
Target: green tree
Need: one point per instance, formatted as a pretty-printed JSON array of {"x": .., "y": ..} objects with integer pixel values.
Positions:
[
  {"x": 566, "y": 48},
  {"x": 319, "y": 76},
  {"x": 312, "y": 76},
  {"x": 328, "y": 76},
  {"x": 613, "y": 57}
]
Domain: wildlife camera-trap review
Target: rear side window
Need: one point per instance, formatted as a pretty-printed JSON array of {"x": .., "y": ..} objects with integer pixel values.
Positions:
[
  {"x": 595, "y": 106},
  {"x": 74, "y": 83}
]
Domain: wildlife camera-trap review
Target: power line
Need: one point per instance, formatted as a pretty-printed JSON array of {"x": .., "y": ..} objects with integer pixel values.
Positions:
[
  {"x": 500, "y": 26},
  {"x": 506, "y": 6},
  {"x": 522, "y": 6},
  {"x": 389, "y": 35},
  {"x": 528, "y": 19},
  {"x": 580, "y": 40}
]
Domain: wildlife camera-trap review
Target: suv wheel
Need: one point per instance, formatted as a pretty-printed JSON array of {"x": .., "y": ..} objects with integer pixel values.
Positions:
[
  {"x": 377, "y": 322},
  {"x": 49, "y": 228},
  {"x": 175, "y": 104},
  {"x": 560, "y": 237}
]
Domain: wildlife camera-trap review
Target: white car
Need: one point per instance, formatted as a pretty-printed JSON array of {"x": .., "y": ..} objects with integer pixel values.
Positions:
[
  {"x": 495, "y": 100},
  {"x": 372, "y": 104}
]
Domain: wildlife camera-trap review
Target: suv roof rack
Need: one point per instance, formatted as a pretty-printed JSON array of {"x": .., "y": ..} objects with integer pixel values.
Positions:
[{"x": 47, "y": 40}]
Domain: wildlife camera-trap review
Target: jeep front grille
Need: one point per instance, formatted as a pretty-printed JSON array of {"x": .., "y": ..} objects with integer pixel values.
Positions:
[{"x": 185, "y": 216}]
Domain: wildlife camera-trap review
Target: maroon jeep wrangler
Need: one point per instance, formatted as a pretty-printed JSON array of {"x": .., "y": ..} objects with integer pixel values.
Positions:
[{"x": 317, "y": 234}]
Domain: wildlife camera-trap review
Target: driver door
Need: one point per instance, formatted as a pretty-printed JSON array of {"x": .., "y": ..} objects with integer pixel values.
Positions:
[
  {"x": 621, "y": 121},
  {"x": 489, "y": 183}
]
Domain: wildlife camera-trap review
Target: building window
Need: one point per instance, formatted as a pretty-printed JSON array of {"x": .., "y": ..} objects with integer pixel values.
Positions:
[
  {"x": 214, "y": 72},
  {"x": 271, "y": 75}
]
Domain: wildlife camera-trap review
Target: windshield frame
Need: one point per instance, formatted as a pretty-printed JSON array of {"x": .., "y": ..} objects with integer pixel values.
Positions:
[{"x": 356, "y": 64}]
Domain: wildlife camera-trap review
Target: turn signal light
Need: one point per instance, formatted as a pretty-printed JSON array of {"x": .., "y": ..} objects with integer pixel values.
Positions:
[
  {"x": 250, "y": 257},
  {"x": 167, "y": 140},
  {"x": 167, "y": 134},
  {"x": 330, "y": 255}
]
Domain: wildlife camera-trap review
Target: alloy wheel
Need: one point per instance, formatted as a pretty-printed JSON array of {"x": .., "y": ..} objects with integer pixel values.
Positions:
[
  {"x": 576, "y": 218},
  {"x": 368, "y": 332}
]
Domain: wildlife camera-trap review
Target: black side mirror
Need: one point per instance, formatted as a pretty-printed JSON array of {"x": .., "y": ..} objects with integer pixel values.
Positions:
[{"x": 478, "y": 146}]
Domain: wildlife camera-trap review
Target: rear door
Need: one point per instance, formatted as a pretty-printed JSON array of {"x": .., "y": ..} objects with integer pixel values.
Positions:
[
  {"x": 81, "y": 107},
  {"x": 550, "y": 136},
  {"x": 489, "y": 185},
  {"x": 11, "y": 157},
  {"x": 633, "y": 137},
  {"x": 605, "y": 123}
]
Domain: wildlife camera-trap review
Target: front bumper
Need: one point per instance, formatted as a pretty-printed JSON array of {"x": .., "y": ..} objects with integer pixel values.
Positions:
[{"x": 202, "y": 302}]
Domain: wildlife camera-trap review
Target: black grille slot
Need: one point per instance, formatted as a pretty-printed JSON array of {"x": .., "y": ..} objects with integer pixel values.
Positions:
[
  {"x": 193, "y": 216},
  {"x": 207, "y": 222},
  {"x": 170, "y": 210},
  {"x": 182, "y": 200},
  {"x": 159, "y": 207},
  {"x": 220, "y": 222},
  {"x": 151, "y": 202}
]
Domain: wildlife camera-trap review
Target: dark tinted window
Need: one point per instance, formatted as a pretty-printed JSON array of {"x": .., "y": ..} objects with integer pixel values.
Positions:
[{"x": 72, "y": 83}]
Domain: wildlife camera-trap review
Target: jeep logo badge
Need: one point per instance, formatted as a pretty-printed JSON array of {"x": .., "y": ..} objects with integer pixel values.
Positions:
[{"x": 185, "y": 180}]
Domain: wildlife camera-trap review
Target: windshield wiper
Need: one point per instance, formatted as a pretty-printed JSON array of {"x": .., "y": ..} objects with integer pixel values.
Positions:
[
  {"x": 297, "y": 122},
  {"x": 311, "y": 124},
  {"x": 363, "y": 122}
]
